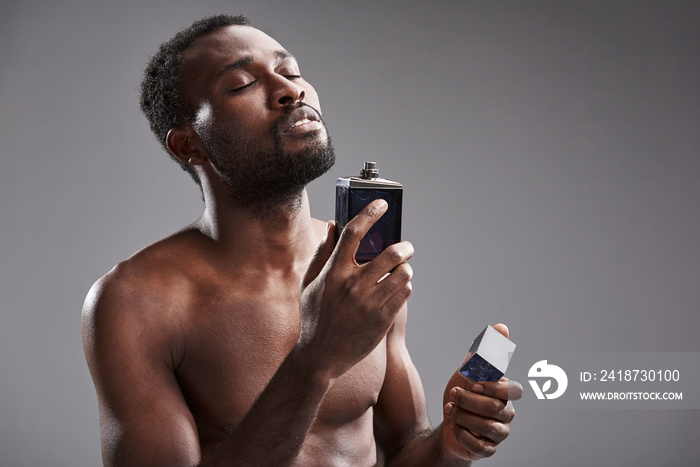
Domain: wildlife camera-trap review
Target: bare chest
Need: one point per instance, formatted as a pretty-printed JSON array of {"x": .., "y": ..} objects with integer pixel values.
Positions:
[{"x": 234, "y": 344}]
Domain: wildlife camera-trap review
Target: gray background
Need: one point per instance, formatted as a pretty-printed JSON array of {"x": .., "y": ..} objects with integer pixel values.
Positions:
[{"x": 549, "y": 151}]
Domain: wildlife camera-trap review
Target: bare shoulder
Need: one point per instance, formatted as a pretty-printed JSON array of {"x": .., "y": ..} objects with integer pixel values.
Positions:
[
  {"x": 157, "y": 269},
  {"x": 144, "y": 294}
]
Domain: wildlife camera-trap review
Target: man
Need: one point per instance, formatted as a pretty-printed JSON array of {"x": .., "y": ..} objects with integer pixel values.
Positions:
[{"x": 204, "y": 347}]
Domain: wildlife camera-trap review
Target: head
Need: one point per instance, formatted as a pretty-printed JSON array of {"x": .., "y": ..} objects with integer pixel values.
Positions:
[
  {"x": 228, "y": 102},
  {"x": 161, "y": 98}
]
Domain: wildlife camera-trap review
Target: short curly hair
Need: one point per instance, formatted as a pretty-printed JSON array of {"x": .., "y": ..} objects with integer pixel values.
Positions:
[{"x": 161, "y": 98}]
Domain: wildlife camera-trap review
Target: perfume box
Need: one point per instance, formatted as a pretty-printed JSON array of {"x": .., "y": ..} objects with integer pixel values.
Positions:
[{"x": 488, "y": 356}]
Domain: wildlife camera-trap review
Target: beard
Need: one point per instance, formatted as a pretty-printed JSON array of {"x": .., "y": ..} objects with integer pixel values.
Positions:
[{"x": 264, "y": 181}]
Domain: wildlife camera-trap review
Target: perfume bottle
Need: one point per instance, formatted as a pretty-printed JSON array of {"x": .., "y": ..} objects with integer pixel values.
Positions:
[
  {"x": 352, "y": 194},
  {"x": 488, "y": 356}
]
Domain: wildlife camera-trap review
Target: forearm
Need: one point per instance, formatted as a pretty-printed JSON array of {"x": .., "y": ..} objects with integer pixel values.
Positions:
[
  {"x": 426, "y": 449},
  {"x": 274, "y": 429}
]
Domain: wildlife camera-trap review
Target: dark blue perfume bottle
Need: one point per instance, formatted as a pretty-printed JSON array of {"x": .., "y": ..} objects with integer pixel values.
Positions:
[{"x": 354, "y": 193}]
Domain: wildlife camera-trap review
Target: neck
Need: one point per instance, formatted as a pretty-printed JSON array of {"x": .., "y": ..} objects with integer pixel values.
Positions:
[{"x": 283, "y": 238}]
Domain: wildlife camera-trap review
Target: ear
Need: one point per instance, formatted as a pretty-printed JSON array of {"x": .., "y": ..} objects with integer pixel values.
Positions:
[{"x": 184, "y": 144}]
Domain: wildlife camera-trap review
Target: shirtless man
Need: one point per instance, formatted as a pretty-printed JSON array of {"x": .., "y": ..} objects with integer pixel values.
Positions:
[{"x": 250, "y": 337}]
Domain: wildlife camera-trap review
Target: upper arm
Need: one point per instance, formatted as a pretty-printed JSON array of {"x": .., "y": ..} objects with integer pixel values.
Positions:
[
  {"x": 144, "y": 419},
  {"x": 401, "y": 412}
]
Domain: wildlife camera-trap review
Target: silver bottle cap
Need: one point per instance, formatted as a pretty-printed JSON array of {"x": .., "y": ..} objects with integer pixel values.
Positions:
[{"x": 369, "y": 171}]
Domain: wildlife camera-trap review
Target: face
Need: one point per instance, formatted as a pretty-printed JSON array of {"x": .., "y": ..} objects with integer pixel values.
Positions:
[{"x": 258, "y": 119}]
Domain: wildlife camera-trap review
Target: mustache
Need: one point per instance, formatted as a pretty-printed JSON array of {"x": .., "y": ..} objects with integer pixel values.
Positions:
[{"x": 277, "y": 126}]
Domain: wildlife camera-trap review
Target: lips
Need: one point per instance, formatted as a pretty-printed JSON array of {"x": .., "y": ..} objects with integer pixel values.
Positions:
[{"x": 301, "y": 121}]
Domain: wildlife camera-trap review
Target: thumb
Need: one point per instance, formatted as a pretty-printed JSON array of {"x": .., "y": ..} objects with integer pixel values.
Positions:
[
  {"x": 502, "y": 328},
  {"x": 323, "y": 252}
]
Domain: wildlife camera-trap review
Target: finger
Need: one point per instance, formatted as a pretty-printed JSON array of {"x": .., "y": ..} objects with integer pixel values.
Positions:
[
  {"x": 480, "y": 427},
  {"x": 323, "y": 252},
  {"x": 502, "y": 328},
  {"x": 394, "y": 304},
  {"x": 388, "y": 260},
  {"x": 393, "y": 281},
  {"x": 484, "y": 406},
  {"x": 479, "y": 446},
  {"x": 503, "y": 389},
  {"x": 353, "y": 232}
]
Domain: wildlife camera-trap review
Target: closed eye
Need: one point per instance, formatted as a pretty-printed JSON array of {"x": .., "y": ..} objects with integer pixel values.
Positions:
[{"x": 241, "y": 88}]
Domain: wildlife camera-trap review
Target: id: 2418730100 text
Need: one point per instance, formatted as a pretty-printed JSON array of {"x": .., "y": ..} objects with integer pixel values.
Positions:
[{"x": 630, "y": 375}]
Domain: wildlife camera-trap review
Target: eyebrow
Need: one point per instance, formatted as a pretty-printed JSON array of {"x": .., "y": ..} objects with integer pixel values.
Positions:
[
  {"x": 282, "y": 54},
  {"x": 240, "y": 63},
  {"x": 248, "y": 59}
]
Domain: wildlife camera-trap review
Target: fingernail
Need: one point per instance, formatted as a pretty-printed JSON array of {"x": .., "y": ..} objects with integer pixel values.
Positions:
[
  {"x": 380, "y": 203},
  {"x": 478, "y": 388},
  {"x": 453, "y": 393},
  {"x": 448, "y": 409}
]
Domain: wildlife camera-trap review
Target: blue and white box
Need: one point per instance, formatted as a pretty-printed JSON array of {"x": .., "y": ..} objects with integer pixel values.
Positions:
[{"x": 488, "y": 356}]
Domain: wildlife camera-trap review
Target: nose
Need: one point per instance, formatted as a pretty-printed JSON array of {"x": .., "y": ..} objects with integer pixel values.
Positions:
[{"x": 286, "y": 94}]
